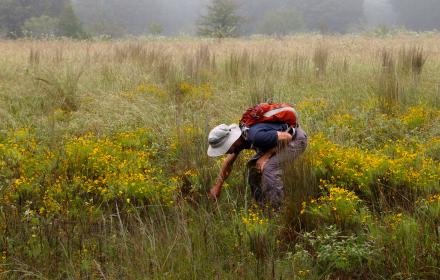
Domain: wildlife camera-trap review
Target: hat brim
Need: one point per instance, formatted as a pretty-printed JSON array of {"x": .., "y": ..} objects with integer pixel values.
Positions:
[{"x": 221, "y": 150}]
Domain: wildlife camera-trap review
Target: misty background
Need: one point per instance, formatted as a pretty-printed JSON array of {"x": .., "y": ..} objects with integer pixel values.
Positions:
[{"x": 119, "y": 18}]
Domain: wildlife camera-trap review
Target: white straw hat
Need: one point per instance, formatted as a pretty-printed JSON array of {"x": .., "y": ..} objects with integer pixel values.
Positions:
[{"x": 221, "y": 138}]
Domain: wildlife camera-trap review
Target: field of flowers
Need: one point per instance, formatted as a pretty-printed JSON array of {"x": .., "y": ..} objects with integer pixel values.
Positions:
[{"x": 104, "y": 173}]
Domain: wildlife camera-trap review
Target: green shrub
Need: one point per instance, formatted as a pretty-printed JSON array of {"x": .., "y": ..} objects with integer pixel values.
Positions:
[
  {"x": 334, "y": 251},
  {"x": 339, "y": 207}
]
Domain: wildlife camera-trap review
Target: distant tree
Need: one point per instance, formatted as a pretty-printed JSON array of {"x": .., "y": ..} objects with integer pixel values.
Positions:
[
  {"x": 331, "y": 15},
  {"x": 53, "y": 8},
  {"x": 221, "y": 20},
  {"x": 12, "y": 16},
  {"x": 379, "y": 13},
  {"x": 41, "y": 26},
  {"x": 106, "y": 27},
  {"x": 122, "y": 16},
  {"x": 282, "y": 21},
  {"x": 135, "y": 16},
  {"x": 70, "y": 26},
  {"x": 418, "y": 14},
  {"x": 15, "y": 13},
  {"x": 155, "y": 28},
  {"x": 255, "y": 12}
]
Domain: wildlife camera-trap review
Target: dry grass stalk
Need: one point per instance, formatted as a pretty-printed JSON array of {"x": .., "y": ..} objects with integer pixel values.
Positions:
[
  {"x": 261, "y": 90},
  {"x": 300, "y": 184},
  {"x": 388, "y": 90},
  {"x": 58, "y": 56},
  {"x": 34, "y": 57},
  {"x": 196, "y": 66},
  {"x": 320, "y": 60},
  {"x": 412, "y": 60},
  {"x": 297, "y": 67},
  {"x": 237, "y": 65}
]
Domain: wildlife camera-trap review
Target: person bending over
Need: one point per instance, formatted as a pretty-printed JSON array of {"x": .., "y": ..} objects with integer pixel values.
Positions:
[{"x": 274, "y": 143}]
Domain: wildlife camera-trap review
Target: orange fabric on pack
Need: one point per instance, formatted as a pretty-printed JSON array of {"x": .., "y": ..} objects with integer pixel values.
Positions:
[{"x": 265, "y": 112}]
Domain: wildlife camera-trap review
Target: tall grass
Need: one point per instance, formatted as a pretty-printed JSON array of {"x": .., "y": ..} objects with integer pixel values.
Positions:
[
  {"x": 320, "y": 59},
  {"x": 412, "y": 60},
  {"x": 34, "y": 57},
  {"x": 389, "y": 90},
  {"x": 179, "y": 89},
  {"x": 300, "y": 184}
]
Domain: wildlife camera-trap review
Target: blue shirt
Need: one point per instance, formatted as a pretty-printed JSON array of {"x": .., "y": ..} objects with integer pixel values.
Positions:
[{"x": 264, "y": 136}]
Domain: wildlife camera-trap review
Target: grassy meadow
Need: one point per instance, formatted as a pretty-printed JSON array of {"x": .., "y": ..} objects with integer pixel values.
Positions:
[{"x": 104, "y": 172}]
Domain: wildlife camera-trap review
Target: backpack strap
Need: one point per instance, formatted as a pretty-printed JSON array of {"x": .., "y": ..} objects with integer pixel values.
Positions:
[
  {"x": 244, "y": 131},
  {"x": 273, "y": 112}
]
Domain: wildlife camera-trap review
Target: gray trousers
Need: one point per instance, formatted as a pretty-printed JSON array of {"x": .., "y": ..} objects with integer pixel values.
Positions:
[{"x": 267, "y": 187}]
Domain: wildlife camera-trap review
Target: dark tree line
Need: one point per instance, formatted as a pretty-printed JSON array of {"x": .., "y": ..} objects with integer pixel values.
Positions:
[
  {"x": 117, "y": 18},
  {"x": 289, "y": 16},
  {"x": 36, "y": 17},
  {"x": 140, "y": 17},
  {"x": 418, "y": 15},
  {"x": 340, "y": 16},
  {"x": 331, "y": 15}
]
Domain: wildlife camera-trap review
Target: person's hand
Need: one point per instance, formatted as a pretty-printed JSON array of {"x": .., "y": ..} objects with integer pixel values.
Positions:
[
  {"x": 214, "y": 193},
  {"x": 284, "y": 136},
  {"x": 261, "y": 162}
]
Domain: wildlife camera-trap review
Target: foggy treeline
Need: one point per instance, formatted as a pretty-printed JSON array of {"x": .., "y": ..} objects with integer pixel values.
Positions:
[{"x": 117, "y": 18}]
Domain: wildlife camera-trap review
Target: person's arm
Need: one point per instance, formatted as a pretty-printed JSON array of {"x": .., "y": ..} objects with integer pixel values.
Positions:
[
  {"x": 283, "y": 137},
  {"x": 226, "y": 169},
  {"x": 261, "y": 162}
]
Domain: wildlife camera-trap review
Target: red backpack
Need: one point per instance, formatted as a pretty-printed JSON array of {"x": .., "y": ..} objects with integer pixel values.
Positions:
[{"x": 268, "y": 112}]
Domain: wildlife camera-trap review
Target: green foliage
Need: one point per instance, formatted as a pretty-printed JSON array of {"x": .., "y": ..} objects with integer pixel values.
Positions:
[
  {"x": 85, "y": 169},
  {"x": 108, "y": 178},
  {"x": 221, "y": 20},
  {"x": 106, "y": 27},
  {"x": 258, "y": 231},
  {"x": 403, "y": 167},
  {"x": 340, "y": 207},
  {"x": 119, "y": 18},
  {"x": 12, "y": 17},
  {"x": 336, "y": 252},
  {"x": 14, "y": 14},
  {"x": 155, "y": 28},
  {"x": 70, "y": 25},
  {"x": 429, "y": 208},
  {"x": 402, "y": 237},
  {"x": 282, "y": 21},
  {"x": 41, "y": 26}
]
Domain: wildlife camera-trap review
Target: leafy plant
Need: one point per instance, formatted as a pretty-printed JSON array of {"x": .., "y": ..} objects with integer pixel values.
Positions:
[{"x": 333, "y": 251}]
